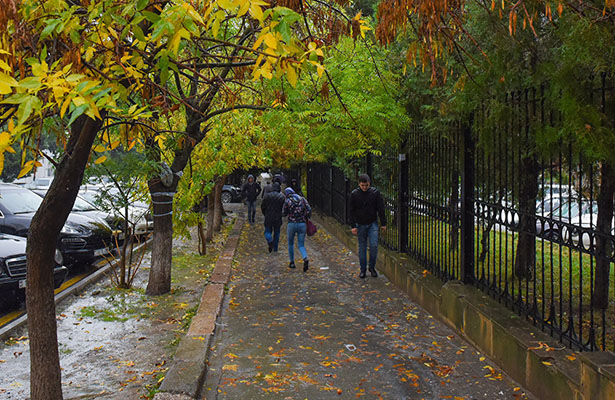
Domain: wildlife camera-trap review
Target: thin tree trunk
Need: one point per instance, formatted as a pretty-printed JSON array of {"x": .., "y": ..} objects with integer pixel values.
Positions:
[
  {"x": 210, "y": 217},
  {"x": 45, "y": 375},
  {"x": 202, "y": 242},
  {"x": 218, "y": 209},
  {"x": 604, "y": 247}
]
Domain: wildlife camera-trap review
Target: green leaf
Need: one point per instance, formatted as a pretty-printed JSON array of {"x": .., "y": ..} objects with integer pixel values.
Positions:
[
  {"x": 141, "y": 4},
  {"x": 138, "y": 32},
  {"x": 49, "y": 28},
  {"x": 284, "y": 30},
  {"x": 76, "y": 113},
  {"x": 25, "y": 109},
  {"x": 30, "y": 83},
  {"x": 151, "y": 17}
]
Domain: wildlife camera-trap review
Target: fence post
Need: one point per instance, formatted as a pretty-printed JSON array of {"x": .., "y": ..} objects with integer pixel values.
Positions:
[
  {"x": 346, "y": 190},
  {"x": 402, "y": 198},
  {"x": 330, "y": 190},
  {"x": 467, "y": 203}
]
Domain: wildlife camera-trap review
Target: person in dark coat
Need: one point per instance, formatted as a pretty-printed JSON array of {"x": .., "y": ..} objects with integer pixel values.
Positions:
[
  {"x": 266, "y": 189},
  {"x": 298, "y": 211},
  {"x": 366, "y": 206},
  {"x": 251, "y": 189},
  {"x": 272, "y": 205},
  {"x": 296, "y": 187}
]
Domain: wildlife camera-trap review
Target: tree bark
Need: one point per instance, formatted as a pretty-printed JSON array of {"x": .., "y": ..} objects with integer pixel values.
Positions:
[
  {"x": 210, "y": 217},
  {"x": 218, "y": 209},
  {"x": 528, "y": 190},
  {"x": 202, "y": 241},
  {"x": 604, "y": 245},
  {"x": 45, "y": 375},
  {"x": 159, "y": 280}
]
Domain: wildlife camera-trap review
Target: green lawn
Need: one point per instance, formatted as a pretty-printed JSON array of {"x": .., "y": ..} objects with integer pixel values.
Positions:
[{"x": 560, "y": 273}]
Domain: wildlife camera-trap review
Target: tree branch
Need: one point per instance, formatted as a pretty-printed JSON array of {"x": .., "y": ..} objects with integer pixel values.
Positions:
[{"x": 237, "y": 107}]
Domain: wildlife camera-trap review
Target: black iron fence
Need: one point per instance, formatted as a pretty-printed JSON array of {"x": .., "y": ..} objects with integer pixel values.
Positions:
[{"x": 489, "y": 204}]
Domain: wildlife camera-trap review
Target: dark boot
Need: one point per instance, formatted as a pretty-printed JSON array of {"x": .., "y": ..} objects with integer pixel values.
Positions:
[
  {"x": 373, "y": 272},
  {"x": 306, "y": 264},
  {"x": 291, "y": 264}
]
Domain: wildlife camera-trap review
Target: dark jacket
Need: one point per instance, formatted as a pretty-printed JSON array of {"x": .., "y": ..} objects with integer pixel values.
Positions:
[
  {"x": 251, "y": 190},
  {"x": 272, "y": 205},
  {"x": 296, "y": 187},
  {"x": 366, "y": 207}
]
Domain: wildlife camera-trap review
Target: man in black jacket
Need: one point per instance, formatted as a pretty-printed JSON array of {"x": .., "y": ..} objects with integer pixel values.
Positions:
[
  {"x": 272, "y": 205},
  {"x": 251, "y": 189},
  {"x": 366, "y": 205}
]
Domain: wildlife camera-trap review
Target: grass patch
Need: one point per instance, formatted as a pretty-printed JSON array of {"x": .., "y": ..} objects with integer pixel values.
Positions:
[{"x": 560, "y": 287}]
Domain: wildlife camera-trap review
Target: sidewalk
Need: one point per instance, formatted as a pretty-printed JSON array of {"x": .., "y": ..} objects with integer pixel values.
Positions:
[{"x": 328, "y": 334}]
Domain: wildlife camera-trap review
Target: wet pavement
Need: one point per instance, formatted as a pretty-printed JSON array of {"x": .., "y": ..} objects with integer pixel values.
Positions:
[
  {"x": 113, "y": 343},
  {"x": 286, "y": 334}
]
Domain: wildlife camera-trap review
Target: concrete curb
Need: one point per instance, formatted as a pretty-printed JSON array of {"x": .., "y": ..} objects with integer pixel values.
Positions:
[
  {"x": 186, "y": 374},
  {"x": 6, "y": 330}
]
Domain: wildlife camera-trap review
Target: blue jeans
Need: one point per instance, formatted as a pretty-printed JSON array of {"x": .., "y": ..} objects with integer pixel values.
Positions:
[
  {"x": 251, "y": 210},
  {"x": 276, "y": 236},
  {"x": 299, "y": 229},
  {"x": 368, "y": 234}
]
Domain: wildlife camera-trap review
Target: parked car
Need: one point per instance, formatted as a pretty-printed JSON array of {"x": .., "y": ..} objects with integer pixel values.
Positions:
[
  {"x": 139, "y": 215},
  {"x": 84, "y": 207},
  {"x": 231, "y": 194},
  {"x": 556, "y": 190},
  {"x": 13, "y": 268},
  {"x": 81, "y": 240}
]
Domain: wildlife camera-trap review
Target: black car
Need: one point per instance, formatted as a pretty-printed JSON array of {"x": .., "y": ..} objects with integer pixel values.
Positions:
[
  {"x": 231, "y": 194},
  {"x": 81, "y": 240},
  {"x": 13, "y": 269}
]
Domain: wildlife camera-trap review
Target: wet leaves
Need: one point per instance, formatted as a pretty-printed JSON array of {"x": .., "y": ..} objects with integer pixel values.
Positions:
[{"x": 294, "y": 330}]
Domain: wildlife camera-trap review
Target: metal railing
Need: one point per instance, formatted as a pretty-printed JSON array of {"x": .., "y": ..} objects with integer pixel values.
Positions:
[{"x": 482, "y": 204}]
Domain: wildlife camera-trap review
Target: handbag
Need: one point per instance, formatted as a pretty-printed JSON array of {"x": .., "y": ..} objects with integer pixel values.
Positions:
[{"x": 311, "y": 228}]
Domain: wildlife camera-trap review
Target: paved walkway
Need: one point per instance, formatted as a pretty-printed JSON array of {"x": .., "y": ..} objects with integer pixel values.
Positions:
[{"x": 286, "y": 334}]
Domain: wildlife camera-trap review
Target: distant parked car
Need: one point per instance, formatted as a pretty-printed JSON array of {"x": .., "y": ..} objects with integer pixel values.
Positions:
[
  {"x": 231, "y": 194},
  {"x": 139, "y": 215},
  {"x": 13, "y": 268},
  {"x": 84, "y": 207},
  {"x": 81, "y": 240}
]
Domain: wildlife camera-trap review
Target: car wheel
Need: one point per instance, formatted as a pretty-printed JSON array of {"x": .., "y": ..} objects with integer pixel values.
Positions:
[{"x": 227, "y": 197}]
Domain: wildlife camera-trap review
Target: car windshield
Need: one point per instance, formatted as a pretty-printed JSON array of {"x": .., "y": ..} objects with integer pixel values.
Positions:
[
  {"x": 546, "y": 206},
  {"x": 569, "y": 208},
  {"x": 20, "y": 201},
  {"x": 590, "y": 210},
  {"x": 82, "y": 205}
]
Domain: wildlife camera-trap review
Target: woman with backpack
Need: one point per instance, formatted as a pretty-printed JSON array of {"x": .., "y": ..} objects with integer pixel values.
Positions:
[{"x": 298, "y": 211}]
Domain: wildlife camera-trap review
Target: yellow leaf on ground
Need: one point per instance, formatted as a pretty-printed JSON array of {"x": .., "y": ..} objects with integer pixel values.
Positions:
[{"x": 229, "y": 367}]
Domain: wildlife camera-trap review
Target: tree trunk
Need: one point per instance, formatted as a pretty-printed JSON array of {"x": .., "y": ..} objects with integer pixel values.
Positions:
[
  {"x": 528, "y": 190},
  {"x": 218, "y": 209},
  {"x": 159, "y": 281},
  {"x": 45, "y": 375},
  {"x": 210, "y": 217},
  {"x": 202, "y": 241},
  {"x": 604, "y": 246}
]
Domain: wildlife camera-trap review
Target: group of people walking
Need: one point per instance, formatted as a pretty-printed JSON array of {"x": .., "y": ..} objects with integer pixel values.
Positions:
[{"x": 365, "y": 205}]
